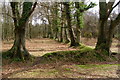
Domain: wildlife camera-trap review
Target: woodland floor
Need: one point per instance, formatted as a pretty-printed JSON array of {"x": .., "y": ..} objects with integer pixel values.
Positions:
[{"x": 39, "y": 47}]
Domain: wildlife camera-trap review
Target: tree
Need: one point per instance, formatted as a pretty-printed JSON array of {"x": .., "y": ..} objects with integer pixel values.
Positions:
[
  {"x": 105, "y": 34},
  {"x": 64, "y": 29},
  {"x": 69, "y": 26},
  {"x": 81, "y": 8},
  {"x": 18, "y": 49},
  {"x": 62, "y": 18}
]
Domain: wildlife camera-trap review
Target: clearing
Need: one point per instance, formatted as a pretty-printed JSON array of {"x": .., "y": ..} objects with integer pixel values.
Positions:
[{"x": 39, "y": 47}]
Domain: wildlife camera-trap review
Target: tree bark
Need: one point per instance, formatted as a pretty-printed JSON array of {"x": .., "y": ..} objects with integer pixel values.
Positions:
[
  {"x": 66, "y": 40},
  {"x": 67, "y": 9},
  {"x": 61, "y": 28},
  {"x": 105, "y": 37},
  {"x": 78, "y": 31},
  {"x": 18, "y": 49}
]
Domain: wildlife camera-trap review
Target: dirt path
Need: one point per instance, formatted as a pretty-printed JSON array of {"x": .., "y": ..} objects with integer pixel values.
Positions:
[{"x": 39, "y": 47}]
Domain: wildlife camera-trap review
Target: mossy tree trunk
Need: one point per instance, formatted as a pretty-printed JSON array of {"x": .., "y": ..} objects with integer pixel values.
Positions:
[
  {"x": 69, "y": 26},
  {"x": 80, "y": 9},
  {"x": 78, "y": 30},
  {"x": 105, "y": 35},
  {"x": 64, "y": 35},
  {"x": 18, "y": 49},
  {"x": 102, "y": 24}
]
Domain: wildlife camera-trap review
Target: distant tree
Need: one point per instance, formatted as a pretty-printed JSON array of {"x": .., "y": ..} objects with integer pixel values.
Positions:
[
  {"x": 90, "y": 29},
  {"x": 81, "y": 8}
]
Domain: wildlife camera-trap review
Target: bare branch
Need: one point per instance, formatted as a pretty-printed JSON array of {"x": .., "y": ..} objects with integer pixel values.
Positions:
[
  {"x": 112, "y": 9},
  {"x": 117, "y": 20},
  {"x": 110, "y": 4},
  {"x": 7, "y": 15}
]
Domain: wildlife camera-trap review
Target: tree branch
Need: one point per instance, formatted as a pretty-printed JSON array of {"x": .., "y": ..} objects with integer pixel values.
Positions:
[
  {"x": 117, "y": 20},
  {"x": 112, "y": 9},
  {"x": 34, "y": 6},
  {"x": 7, "y": 15},
  {"x": 27, "y": 11},
  {"x": 110, "y": 4}
]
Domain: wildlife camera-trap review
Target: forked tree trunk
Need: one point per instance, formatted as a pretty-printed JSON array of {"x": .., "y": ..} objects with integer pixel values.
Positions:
[
  {"x": 18, "y": 49},
  {"x": 102, "y": 37},
  {"x": 105, "y": 37}
]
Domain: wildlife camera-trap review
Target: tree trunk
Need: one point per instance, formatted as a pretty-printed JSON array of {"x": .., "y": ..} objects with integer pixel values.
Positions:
[
  {"x": 61, "y": 28},
  {"x": 78, "y": 31},
  {"x": 61, "y": 35},
  {"x": 101, "y": 36},
  {"x": 19, "y": 50},
  {"x": 67, "y": 9},
  {"x": 110, "y": 35},
  {"x": 66, "y": 40},
  {"x": 50, "y": 31}
]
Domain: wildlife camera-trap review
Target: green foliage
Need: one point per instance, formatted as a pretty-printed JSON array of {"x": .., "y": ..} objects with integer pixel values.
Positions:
[
  {"x": 84, "y": 7},
  {"x": 80, "y": 8}
]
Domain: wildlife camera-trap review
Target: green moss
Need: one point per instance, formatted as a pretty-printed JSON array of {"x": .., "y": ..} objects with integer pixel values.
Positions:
[
  {"x": 84, "y": 48},
  {"x": 9, "y": 55},
  {"x": 81, "y": 46},
  {"x": 88, "y": 66},
  {"x": 53, "y": 71},
  {"x": 48, "y": 54},
  {"x": 6, "y": 54},
  {"x": 82, "y": 56},
  {"x": 67, "y": 69}
]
